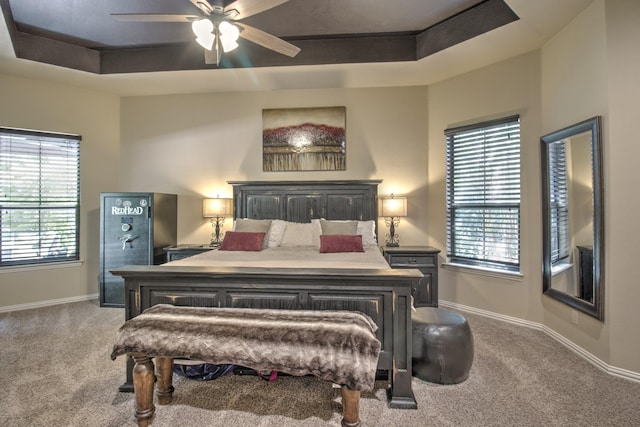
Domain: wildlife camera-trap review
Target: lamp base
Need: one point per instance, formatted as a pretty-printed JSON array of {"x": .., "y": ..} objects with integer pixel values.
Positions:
[
  {"x": 392, "y": 245},
  {"x": 392, "y": 238},
  {"x": 216, "y": 237}
]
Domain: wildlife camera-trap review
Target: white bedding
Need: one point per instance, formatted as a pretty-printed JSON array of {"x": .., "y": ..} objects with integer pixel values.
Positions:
[{"x": 287, "y": 257}]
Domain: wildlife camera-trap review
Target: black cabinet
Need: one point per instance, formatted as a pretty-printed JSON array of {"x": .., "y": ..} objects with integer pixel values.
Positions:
[
  {"x": 423, "y": 258},
  {"x": 134, "y": 227}
]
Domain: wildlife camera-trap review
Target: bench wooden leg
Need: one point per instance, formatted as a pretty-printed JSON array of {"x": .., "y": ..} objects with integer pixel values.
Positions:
[
  {"x": 350, "y": 407},
  {"x": 143, "y": 376},
  {"x": 143, "y": 384},
  {"x": 164, "y": 366}
]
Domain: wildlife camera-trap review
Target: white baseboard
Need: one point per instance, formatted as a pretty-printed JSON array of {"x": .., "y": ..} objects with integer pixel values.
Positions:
[
  {"x": 600, "y": 364},
  {"x": 47, "y": 303}
]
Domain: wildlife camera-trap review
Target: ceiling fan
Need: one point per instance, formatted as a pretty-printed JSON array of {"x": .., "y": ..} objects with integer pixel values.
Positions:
[{"x": 217, "y": 28}]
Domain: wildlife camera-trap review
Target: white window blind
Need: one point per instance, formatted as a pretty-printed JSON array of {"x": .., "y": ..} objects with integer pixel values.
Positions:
[
  {"x": 559, "y": 201},
  {"x": 483, "y": 194},
  {"x": 39, "y": 197}
]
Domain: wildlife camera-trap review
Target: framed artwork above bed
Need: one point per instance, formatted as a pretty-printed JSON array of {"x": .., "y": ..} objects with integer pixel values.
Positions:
[{"x": 304, "y": 139}]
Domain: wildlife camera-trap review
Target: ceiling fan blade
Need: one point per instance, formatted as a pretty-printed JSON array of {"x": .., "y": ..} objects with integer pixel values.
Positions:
[
  {"x": 154, "y": 17},
  {"x": 267, "y": 40},
  {"x": 247, "y": 8}
]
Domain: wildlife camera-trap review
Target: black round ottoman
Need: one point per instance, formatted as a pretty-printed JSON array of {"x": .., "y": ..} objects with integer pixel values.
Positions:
[{"x": 442, "y": 345}]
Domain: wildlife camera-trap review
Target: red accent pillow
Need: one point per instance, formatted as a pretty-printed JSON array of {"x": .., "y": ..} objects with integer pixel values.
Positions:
[
  {"x": 330, "y": 243},
  {"x": 242, "y": 241}
]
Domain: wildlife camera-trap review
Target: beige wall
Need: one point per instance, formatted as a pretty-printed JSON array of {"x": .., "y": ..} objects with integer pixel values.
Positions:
[
  {"x": 191, "y": 145},
  {"x": 622, "y": 180},
  {"x": 574, "y": 88},
  {"x": 598, "y": 51},
  {"x": 503, "y": 89},
  {"x": 95, "y": 116}
]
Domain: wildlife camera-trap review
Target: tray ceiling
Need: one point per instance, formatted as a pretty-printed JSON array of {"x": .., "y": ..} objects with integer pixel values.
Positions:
[{"x": 82, "y": 34}]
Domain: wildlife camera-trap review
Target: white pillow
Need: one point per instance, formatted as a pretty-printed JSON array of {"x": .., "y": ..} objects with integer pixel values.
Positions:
[
  {"x": 276, "y": 233},
  {"x": 302, "y": 234},
  {"x": 368, "y": 231}
]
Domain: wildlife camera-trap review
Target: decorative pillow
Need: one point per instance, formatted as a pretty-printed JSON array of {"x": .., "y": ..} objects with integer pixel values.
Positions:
[
  {"x": 331, "y": 243},
  {"x": 368, "y": 231},
  {"x": 302, "y": 234},
  {"x": 338, "y": 227},
  {"x": 254, "y": 226},
  {"x": 276, "y": 233},
  {"x": 242, "y": 241}
]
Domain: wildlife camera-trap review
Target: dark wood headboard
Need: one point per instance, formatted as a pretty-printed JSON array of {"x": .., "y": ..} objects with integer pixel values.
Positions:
[{"x": 302, "y": 201}]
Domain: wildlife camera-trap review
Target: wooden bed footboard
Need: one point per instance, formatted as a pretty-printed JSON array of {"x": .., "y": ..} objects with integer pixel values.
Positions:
[{"x": 384, "y": 295}]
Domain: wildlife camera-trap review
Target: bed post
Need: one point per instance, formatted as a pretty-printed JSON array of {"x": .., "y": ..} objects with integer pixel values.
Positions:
[{"x": 401, "y": 394}]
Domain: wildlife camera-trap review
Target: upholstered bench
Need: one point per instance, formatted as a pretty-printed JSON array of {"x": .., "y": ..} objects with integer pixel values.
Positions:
[
  {"x": 337, "y": 346},
  {"x": 442, "y": 345}
]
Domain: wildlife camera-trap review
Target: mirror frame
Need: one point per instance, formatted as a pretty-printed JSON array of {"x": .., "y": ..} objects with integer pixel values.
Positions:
[{"x": 595, "y": 309}]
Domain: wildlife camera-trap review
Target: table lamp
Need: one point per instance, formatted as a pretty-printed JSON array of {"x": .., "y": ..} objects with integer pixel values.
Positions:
[
  {"x": 392, "y": 209},
  {"x": 217, "y": 209}
]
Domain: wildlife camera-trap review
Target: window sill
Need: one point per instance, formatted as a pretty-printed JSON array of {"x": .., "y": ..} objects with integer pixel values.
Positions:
[
  {"x": 35, "y": 267},
  {"x": 509, "y": 275},
  {"x": 559, "y": 268}
]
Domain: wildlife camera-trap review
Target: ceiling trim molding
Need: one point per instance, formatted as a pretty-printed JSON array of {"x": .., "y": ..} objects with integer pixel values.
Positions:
[{"x": 477, "y": 20}]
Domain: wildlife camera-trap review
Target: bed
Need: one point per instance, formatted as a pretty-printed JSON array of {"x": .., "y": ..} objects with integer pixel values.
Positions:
[{"x": 292, "y": 276}]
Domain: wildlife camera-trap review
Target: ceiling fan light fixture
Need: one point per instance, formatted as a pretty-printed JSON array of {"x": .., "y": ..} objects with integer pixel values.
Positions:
[
  {"x": 229, "y": 30},
  {"x": 227, "y": 44},
  {"x": 229, "y": 34},
  {"x": 206, "y": 41},
  {"x": 202, "y": 28}
]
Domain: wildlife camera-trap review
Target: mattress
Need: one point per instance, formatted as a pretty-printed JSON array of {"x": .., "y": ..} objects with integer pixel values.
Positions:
[{"x": 288, "y": 257}]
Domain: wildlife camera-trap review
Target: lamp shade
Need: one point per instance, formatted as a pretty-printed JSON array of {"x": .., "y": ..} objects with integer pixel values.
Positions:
[
  {"x": 217, "y": 207},
  {"x": 393, "y": 206}
]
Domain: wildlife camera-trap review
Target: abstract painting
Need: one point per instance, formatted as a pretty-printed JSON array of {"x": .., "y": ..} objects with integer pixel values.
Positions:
[{"x": 304, "y": 139}]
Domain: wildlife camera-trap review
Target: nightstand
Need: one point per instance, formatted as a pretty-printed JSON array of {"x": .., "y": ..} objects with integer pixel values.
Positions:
[
  {"x": 423, "y": 258},
  {"x": 185, "y": 251}
]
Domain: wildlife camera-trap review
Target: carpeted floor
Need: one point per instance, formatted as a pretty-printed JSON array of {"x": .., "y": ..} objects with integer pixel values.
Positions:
[{"x": 55, "y": 371}]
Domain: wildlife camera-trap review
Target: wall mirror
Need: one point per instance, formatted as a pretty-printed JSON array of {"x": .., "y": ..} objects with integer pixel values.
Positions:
[{"x": 572, "y": 216}]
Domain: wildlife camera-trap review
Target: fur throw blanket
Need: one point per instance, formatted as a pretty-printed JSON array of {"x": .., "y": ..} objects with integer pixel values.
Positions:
[{"x": 337, "y": 346}]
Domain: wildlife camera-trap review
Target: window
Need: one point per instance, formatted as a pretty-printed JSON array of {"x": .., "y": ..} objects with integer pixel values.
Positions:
[
  {"x": 39, "y": 197},
  {"x": 483, "y": 194},
  {"x": 559, "y": 202}
]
